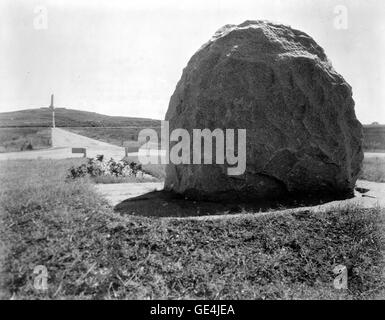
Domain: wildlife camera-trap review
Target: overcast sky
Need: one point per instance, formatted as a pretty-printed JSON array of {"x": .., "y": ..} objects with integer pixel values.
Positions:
[{"x": 125, "y": 57}]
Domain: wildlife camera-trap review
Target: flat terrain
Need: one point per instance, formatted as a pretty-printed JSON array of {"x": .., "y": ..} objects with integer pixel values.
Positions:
[
  {"x": 373, "y": 168},
  {"x": 18, "y": 139},
  {"x": 115, "y": 193},
  {"x": 62, "y": 143},
  {"x": 374, "y": 137},
  {"x": 91, "y": 252},
  {"x": 21, "y": 138}
]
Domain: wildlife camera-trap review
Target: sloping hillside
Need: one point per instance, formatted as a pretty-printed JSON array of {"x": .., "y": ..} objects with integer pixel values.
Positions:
[
  {"x": 69, "y": 118},
  {"x": 28, "y": 129}
]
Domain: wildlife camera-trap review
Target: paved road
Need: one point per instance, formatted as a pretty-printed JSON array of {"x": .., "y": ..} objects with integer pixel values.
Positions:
[
  {"x": 374, "y": 154},
  {"x": 117, "y": 192}
]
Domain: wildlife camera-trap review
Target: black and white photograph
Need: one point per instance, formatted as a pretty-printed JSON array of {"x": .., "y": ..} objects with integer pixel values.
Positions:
[{"x": 210, "y": 151}]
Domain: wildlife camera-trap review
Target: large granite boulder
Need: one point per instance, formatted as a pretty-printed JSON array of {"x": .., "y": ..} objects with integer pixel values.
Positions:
[{"x": 303, "y": 137}]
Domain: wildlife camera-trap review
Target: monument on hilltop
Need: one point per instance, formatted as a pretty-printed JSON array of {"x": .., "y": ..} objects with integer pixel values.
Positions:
[{"x": 53, "y": 111}]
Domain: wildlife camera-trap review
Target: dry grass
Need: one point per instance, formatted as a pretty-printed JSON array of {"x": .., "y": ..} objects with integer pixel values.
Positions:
[
  {"x": 16, "y": 139},
  {"x": 91, "y": 252},
  {"x": 127, "y": 137}
]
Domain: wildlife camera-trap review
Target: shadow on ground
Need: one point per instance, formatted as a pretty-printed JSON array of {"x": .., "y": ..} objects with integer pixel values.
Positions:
[{"x": 168, "y": 204}]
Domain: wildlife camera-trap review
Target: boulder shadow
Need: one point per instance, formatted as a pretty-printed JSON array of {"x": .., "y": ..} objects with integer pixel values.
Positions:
[{"x": 169, "y": 204}]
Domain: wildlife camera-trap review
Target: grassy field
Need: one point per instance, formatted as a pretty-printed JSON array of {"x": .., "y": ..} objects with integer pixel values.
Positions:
[
  {"x": 17, "y": 139},
  {"x": 118, "y": 136},
  {"x": 373, "y": 169},
  {"x": 93, "y": 253},
  {"x": 374, "y": 138}
]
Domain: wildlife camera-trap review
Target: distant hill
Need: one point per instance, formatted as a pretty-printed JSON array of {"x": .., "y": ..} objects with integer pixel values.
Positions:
[{"x": 69, "y": 118}]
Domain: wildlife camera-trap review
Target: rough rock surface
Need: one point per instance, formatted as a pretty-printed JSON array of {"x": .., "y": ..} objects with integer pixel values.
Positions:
[{"x": 303, "y": 136}]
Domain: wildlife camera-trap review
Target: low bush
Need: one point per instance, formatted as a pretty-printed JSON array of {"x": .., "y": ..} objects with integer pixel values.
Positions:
[{"x": 97, "y": 167}]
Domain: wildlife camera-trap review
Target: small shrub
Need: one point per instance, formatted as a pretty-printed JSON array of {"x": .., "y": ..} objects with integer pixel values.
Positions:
[
  {"x": 98, "y": 167},
  {"x": 29, "y": 146},
  {"x": 26, "y": 146},
  {"x": 80, "y": 171}
]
